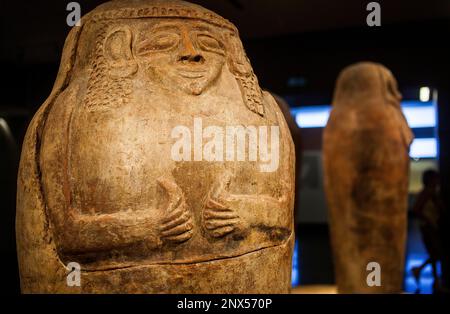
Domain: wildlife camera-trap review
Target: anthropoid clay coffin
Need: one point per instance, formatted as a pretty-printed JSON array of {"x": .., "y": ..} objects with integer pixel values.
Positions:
[
  {"x": 157, "y": 164},
  {"x": 366, "y": 165}
]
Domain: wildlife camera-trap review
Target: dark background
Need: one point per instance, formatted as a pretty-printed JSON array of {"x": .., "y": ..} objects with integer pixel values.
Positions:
[{"x": 297, "y": 47}]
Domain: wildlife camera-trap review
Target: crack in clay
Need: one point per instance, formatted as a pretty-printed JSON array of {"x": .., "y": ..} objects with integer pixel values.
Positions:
[{"x": 186, "y": 263}]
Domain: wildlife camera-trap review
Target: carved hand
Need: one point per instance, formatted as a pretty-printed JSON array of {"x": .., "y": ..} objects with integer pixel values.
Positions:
[
  {"x": 176, "y": 226},
  {"x": 225, "y": 213},
  {"x": 84, "y": 233},
  {"x": 219, "y": 217}
]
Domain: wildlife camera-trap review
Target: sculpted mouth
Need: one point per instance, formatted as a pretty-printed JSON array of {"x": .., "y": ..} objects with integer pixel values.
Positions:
[{"x": 192, "y": 74}]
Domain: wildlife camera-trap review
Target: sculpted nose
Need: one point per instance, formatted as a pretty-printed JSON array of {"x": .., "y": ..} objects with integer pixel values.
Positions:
[
  {"x": 191, "y": 58},
  {"x": 188, "y": 53}
]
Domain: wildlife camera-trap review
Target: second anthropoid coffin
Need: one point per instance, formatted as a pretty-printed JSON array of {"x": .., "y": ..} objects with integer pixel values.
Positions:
[{"x": 366, "y": 164}]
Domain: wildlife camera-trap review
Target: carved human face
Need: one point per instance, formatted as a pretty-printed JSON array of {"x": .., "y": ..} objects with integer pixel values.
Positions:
[{"x": 181, "y": 55}]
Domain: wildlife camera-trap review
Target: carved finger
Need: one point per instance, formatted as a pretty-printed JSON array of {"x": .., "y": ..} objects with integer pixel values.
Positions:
[
  {"x": 217, "y": 233},
  {"x": 178, "y": 221},
  {"x": 215, "y": 223},
  {"x": 177, "y": 230},
  {"x": 216, "y": 214},
  {"x": 181, "y": 237},
  {"x": 174, "y": 214},
  {"x": 210, "y": 203}
]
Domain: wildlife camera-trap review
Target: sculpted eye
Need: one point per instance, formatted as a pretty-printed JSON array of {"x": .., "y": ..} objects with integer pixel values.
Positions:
[
  {"x": 160, "y": 42},
  {"x": 209, "y": 43}
]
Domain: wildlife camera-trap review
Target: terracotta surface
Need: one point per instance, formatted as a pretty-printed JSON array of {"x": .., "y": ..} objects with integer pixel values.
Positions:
[
  {"x": 98, "y": 184},
  {"x": 296, "y": 133},
  {"x": 366, "y": 165}
]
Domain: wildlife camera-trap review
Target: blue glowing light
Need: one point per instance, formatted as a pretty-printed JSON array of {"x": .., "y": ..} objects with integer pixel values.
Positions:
[
  {"x": 311, "y": 117},
  {"x": 423, "y": 148},
  {"x": 418, "y": 114},
  {"x": 425, "y": 283},
  {"x": 295, "y": 277}
]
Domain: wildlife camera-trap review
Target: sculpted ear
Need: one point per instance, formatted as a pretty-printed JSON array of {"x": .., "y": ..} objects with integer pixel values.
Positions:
[{"x": 117, "y": 52}]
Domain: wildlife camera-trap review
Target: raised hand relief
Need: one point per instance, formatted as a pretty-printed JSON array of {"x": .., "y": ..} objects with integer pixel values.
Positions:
[
  {"x": 219, "y": 218},
  {"x": 225, "y": 213},
  {"x": 176, "y": 225}
]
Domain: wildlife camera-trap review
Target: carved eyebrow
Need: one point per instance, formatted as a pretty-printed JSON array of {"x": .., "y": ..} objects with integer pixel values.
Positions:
[
  {"x": 165, "y": 27},
  {"x": 204, "y": 28}
]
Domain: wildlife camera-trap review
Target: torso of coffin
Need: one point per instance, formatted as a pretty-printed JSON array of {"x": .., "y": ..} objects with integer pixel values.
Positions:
[{"x": 107, "y": 160}]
